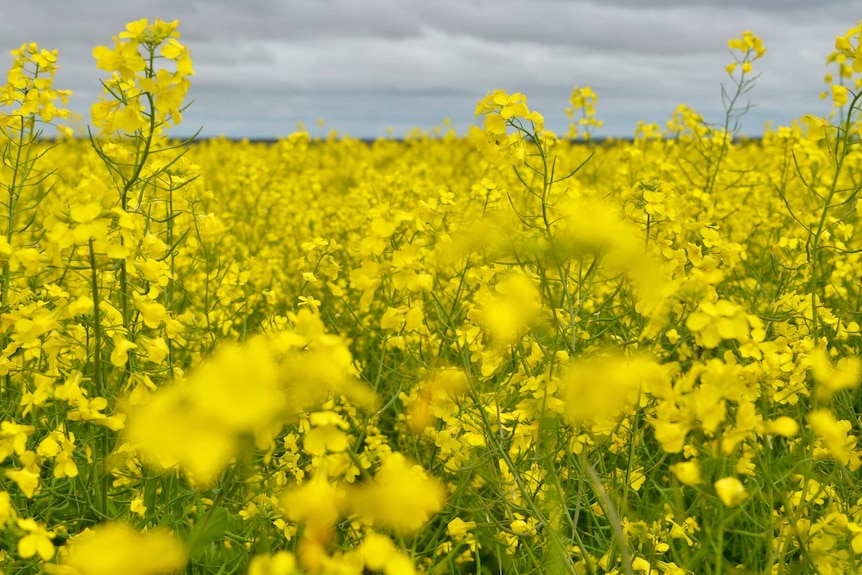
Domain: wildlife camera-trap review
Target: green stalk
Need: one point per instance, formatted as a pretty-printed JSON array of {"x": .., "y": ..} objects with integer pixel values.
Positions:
[
  {"x": 98, "y": 378},
  {"x": 553, "y": 534}
]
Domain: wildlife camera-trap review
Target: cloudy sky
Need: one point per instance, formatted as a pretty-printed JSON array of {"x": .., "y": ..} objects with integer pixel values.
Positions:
[{"x": 368, "y": 65}]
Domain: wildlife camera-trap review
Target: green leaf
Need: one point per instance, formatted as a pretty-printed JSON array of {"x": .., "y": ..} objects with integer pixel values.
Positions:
[{"x": 211, "y": 528}]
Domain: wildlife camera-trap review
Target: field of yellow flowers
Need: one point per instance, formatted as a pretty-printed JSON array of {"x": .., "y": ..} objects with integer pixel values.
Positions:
[{"x": 507, "y": 353}]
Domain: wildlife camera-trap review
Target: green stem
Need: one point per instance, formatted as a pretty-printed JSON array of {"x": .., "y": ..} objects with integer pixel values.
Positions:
[
  {"x": 526, "y": 494},
  {"x": 98, "y": 378}
]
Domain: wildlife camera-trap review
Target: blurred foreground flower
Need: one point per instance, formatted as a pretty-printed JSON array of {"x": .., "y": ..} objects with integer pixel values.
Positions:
[{"x": 115, "y": 548}]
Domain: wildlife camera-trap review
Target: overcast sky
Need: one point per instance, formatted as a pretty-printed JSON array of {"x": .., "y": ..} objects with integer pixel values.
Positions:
[{"x": 368, "y": 65}]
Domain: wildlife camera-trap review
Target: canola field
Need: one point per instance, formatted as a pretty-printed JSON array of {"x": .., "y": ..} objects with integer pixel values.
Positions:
[{"x": 512, "y": 352}]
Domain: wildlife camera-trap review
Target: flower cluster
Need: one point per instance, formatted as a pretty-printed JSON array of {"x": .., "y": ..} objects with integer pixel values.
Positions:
[
  {"x": 583, "y": 103},
  {"x": 138, "y": 93},
  {"x": 501, "y": 113},
  {"x": 29, "y": 90},
  {"x": 750, "y": 48}
]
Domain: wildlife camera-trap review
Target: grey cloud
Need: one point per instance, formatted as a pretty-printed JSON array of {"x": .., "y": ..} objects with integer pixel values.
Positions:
[
  {"x": 364, "y": 65},
  {"x": 771, "y": 6}
]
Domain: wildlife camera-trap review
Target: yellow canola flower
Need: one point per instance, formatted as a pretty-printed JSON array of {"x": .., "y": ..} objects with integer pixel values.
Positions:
[
  {"x": 156, "y": 349},
  {"x": 688, "y": 472},
  {"x": 168, "y": 431},
  {"x": 747, "y": 42},
  {"x": 816, "y": 128},
  {"x": 120, "y": 353},
  {"x": 153, "y": 313},
  {"x": 131, "y": 64},
  {"x": 458, "y": 528},
  {"x": 589, "y": 226},
  {"x": 499, "y": 106},
  {"x": 714, "y": 322},
  {"x": 597, "y": 388},
  {"x": 116, "y": 547},
  {"x": 237, "y": 391},
  {"x": 13, "y": 438},
  {"x": 28, "y": 330},
  {"x": 839, "y": 95},
  {"x": 316, "y": 502},
  {"x": 583, "y": 102},
  {"x": 29, "y": 88},
  {"x": 26, "y": 479},
  {"x": 281, "y": 563},
  {"x": 6, "y": 509},
  {"x": 327, "y": 434},
  {"x": 783, "y": 426},
  {"x": 851, "y": 50},
  {"x": 325, "y": 369},
  {"x": 60, "y": 447},
  {"x": 239, "y": 387},
  {"x": 671, "y": 434},
  {"x": 401, "y": 496},
  {"x": 506, "y": 314},
  {"x": 434, "y": 396},
  {"x": 323, "y": 439},
  {"x": 85, "y": 213},
  {"x": 154, "y": 271},
  {"x": 380, "y": 554},
  {"x": 833, "y": 433},
  {"x": 502, "y": 111},
  {"x": 642, "y": 565},
  {"x": 731, "y": 491},
  {"x": 846, "y": 374},
  {"x": 36, "y": 541},
  {"x": 124, "y": 59},
  {"x": 88, "y": 225}
]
